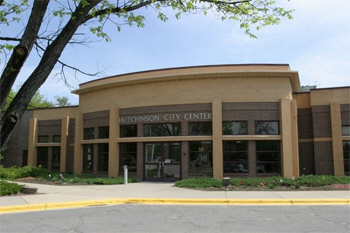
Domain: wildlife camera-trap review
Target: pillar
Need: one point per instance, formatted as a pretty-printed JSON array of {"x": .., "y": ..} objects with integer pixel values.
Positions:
[
  {"x": 337, "y": 143},
  {"x": 295, "y": 140},
  {"x": 64, "y": 143},
  {"x": 286, "y": 135},
  {"x": 113, "y": 150},
  {"x": 78, "y": 152},
  {"x": 217, "y": 139},
  {"x": 33, "y": 135}
]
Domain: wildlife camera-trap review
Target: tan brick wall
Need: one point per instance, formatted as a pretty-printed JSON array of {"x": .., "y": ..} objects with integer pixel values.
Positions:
[
  {"x": 323, "y": 158},
  {"x": 305, "y": 125},
  {"x": 321, "y": 121}
]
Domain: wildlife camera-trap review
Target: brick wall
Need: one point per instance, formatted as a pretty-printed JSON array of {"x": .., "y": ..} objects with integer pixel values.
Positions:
[
  {"x": 323, "y": 158},
  {"x": 321, "y": 117},
  {"x": 345, "y": 114},
  {"x": 50, "y": 128},
  {"x": 306, "y": 158}
]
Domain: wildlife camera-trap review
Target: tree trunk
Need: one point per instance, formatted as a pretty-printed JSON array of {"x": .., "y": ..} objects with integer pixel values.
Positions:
[
  {"x": 22, "y": 50},
  {"x": 43, "y": 70}
]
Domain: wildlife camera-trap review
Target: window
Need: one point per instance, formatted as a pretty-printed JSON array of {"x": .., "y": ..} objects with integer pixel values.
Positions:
[
  {"x": 169, "y": 129},
  {"x": 42, "y": 156},
  {"x": 201, "y": 157},
  {"x": 56, "y": 158},
  {"x": 127, "y": 131},
  {"x": 43, "y": 138},
  {"x": 235, "y": 156},
  {"x": 103, "y": 157},
  {"x": 200, "y": 128},
  {"x": 346, "y": 151},
  {"x": 88, "y": 133},
  {"x": 268, "y": 156},
  {"x": 345, "y": 130},
  {"x": 128, "y": 156},
  {"x": 56, "y": 138},
  {"x": 88, "y": 157},
  {"x": 234, "y": 128},
  {"x": 266, "y": 127},
  {"x": 103, "y": 132}
]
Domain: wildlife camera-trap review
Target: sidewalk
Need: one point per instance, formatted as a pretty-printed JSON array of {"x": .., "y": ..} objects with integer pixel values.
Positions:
[{"x": 64, "y": 196}]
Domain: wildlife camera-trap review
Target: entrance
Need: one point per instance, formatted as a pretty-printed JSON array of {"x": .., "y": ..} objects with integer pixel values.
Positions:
[{"x": 162, "y": 161}]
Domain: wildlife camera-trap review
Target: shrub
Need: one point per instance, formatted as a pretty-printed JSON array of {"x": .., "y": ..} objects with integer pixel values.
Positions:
[
  {"x": 203, "y": 182},
  {"x": 15, "y": 172},
  {"x": 9, "y": 188}
]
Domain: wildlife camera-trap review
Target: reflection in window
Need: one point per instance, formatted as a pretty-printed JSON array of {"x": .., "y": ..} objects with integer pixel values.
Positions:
[
  {"x": 346, "y": 130},
  {"x": 235, "y": 156},
  {"x": 56, "y": 158},
  {"x": 43, "y": 138},
  {"x": 103, "y": 132},
  {"x": 268, "y": 156},
  {"x": 128, "y": 156},
  {"x": 234, "y": 128},
  {"x": 88, "y": 155},
  {"x": 200, "y": 128},
  {"x": 56, "y": 138},
  {"x": 346, "y": 151},
  {"x": 103, "y": 157},
  {"x": 89, "y": 133},
  {"x": 42, "y": 157},
  {"x": 128, "y": 131},
  {"x": 201, "y": 157},
  {"x": 169, "y": 129},
  {"x": 266, "y": 127}
]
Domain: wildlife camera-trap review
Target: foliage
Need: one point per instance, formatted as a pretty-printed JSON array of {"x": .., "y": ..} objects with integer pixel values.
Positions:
[
  {"x": 7, "y": 188},
  {"x": 38, "y": 101},
  {"x": 203, "y": 182},
  {"x": 15, "y": 172},
  {"x": 62, "y": 101}
]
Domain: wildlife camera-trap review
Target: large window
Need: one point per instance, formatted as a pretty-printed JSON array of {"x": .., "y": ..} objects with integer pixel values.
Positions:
[
  {"x": 43, "y": 138},
  {"x": 56, "y": 158},
  {"x": 127, "y": 131},
  {"x": 346, "y": 151},
  {"x": 234, "y": 128},
  {"x": 103, "y": 157},
  {"x": 128, "y": 156},
  {"x": 235, "y": 156},
  {"x": 266, "y": 127},
  {"x": 268, "y": 156},
  {"x": 345, "y": 130},
  {"x": 169, "y": 129},
  {"x": 200, "y": 128},
  {"x": 88, "y": 157},
  {"x": 201, "y": 157},
  {"x": 89, "y": 133},
  {"x": 42, "y": 156},
  {"x": 103, "y": 132},
  {"x": 56, "y": 138}
]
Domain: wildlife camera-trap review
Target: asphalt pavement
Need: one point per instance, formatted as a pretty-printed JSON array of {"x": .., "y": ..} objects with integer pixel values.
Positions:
[{"x": 73, "y": 196}]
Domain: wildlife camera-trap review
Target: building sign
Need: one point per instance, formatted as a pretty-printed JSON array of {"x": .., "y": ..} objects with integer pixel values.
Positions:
[{"x": 166, "y": 117}]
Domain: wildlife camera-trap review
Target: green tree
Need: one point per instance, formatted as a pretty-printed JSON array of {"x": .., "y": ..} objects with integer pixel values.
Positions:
[
  {"x": 62, "y": 101},
  {"x": 50, "y": 37}
]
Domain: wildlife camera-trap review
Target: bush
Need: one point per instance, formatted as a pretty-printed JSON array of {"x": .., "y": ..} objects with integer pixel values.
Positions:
[
  {"x": 9, "y": 188},
  {"x": 204, "y": 182},
  {"x": 15, "y": 172}
]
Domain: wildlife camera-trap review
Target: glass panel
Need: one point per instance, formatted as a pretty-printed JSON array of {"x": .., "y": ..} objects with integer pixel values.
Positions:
[
  {"x": 171, "y": 152},
  {"x": 236, "y": 167},
  {"x": 103, "y": 157},
  {"x": 346, "y": 151},
  {"x": 346, "y": 130},
  {"x": 152, "y": 171},
  {"x": 267, "y": 146},
  {"x": 128, "y": 156},
  {"x": 267, "y": 156},
  {"x": 171, "y": 171},
  {"x": 268, "y": 167},
  {"x": 56, "y": 156},
  {"x": 88, "y": 133},
  {"x": 88, "y": 154},
  {"x": 103, "y": 132},
  {"x": 200, "y": 128},
  {"x": 153, "y": 151},
  {"x": 234, "y": 128},
  {"x": 56, "y": 138},
  {"x": 128, "y": 131},
  {"x": 42, "y": 156},
  {"x": 266, "y": 127},
  {"x": 201, "y": 157},
  {"x": 43, "y": 138},
  {"x": 171, "y": 129}
]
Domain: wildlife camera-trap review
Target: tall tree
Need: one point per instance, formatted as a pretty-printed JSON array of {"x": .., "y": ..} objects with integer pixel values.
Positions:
[{"x": 95, "y": 14}]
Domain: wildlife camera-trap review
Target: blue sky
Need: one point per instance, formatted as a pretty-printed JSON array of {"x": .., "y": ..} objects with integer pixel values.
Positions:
[{"x": 315, "y": 43}]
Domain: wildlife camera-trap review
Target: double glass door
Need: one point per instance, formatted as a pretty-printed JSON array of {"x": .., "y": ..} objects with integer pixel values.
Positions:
[{"x": 162, "y": 161}]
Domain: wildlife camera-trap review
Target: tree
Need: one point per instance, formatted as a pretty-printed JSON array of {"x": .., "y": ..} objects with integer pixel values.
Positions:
[
  {"x": 76, "y": 15},
  {"x": 62, "y": 101}
]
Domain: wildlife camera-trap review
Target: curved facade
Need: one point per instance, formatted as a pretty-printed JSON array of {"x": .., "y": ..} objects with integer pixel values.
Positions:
[{"x": 171, "y": 124}]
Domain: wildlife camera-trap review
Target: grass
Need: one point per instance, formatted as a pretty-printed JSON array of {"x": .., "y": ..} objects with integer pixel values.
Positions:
[{"x": 7, "y": 188}]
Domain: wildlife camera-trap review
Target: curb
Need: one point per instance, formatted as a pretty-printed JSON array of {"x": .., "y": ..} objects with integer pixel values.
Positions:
[{"x": 76, "y": 204}]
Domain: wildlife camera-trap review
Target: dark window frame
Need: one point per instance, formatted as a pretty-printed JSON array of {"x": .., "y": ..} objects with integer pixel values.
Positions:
[
  {"x": 348, "y": 130},
  {"x": 103, "y": 157},
  {"x": 54, "y": 167},
  {"x": 132, "y": 167},
  {"x": 46, "y": 137},
  {"x": 127, "y": 131},
  {"x": 162, "y": 127},
  {"x": 101, "y": 133},
  {"x": 89, "y": 133},
  {"x": 88, "y": 165},
  {"x": 41, "y": 161},
  {"x": 55, "y": 137},
  {"x": 236, "y": 166},
  {"x": 198, "y": 153},
  {"x": 191, "y": 133},
  {"x": 246, "y": 127},
  {"x": 257, "y": 133},
  {"x": 346, "y": 156},
  {"x": 266, "y": 162}
]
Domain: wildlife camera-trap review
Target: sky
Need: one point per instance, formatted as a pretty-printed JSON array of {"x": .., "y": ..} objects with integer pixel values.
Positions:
[{"x": 315, "y": 43}]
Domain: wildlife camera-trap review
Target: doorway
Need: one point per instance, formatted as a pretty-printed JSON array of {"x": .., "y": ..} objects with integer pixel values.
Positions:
[{"x": 162, "y": 161}]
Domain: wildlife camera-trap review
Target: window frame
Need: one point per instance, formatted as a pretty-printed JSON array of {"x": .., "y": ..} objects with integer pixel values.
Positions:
[
  {"x": 122, "y": 159},
  {"x": 240, "y": 169},
  {"x": 346, "y": 150},
  {"x": 100, "y": 131},
  {"x": 200, "y": 122},
  {"x": 123, "y": 128},
  {"x": 347, "y": 127},
  {"x": 162, "y": 128},
  {"x": 88, "y": 132},
  {"x": 46, "y": 137},
  {"x": 86, "y": 161},
  {"x": 278, "y": 128},
  {"x": 261, "y": 162},
  {"x": 246, "y": 127},
  {"x": 198, "y": 152},
  {"x": 101, "y": 163}
]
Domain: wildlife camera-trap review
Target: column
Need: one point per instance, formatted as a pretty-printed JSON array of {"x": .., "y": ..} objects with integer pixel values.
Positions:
[
  {"x": 337, "y": 143},
  {"x": 286, "y": 134},
  {"x": 33, "y": 135},
  {"x": 64, "y": 143},
  {"x": 217, "y": 139},
  {"x": 78, "y": 153},
  {"x": 295, "y": 141},
  {"x": 113, "y": 150}
]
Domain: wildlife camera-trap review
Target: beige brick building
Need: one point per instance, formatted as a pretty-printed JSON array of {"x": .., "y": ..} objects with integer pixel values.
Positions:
[{"x": 171, "y": 124}]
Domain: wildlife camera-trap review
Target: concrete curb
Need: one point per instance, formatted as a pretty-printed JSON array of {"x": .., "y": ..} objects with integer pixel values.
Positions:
[{"x": 76, "y": 204}]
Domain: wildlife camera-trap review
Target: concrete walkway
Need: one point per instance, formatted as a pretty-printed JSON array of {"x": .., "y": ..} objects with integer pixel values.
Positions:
[{"x": 65, "y": 196}]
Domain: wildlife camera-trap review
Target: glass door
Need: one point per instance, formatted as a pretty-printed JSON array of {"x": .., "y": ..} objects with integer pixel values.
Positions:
[{"x": 162, "y": 161}]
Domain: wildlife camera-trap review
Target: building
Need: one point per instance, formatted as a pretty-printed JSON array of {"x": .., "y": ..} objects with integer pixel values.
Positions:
[{"x": 171, "y": 124}]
